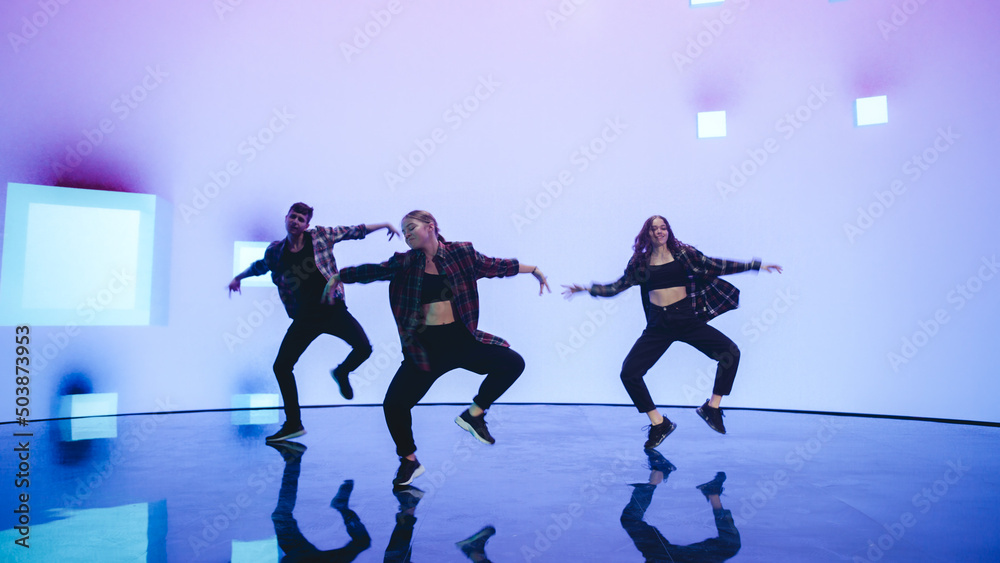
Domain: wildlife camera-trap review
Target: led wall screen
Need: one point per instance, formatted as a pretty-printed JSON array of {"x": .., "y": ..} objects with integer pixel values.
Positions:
[{"x": 80, "y": 257}]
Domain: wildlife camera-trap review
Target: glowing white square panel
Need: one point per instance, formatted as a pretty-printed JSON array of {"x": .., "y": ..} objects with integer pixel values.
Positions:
[
  {"x": 84, "y": 257},
  {"x": 103, "y": 406},
  {"x": 260, "y": 551},
  {"x": 705, "y": 2},
  {"x": 264, "y": 405},
  {"x": 872, "y": 111},
  {"x": 62, "y": 243},
  {"x": 711, "y": 124},
  {"x": 246, "y": 253}
]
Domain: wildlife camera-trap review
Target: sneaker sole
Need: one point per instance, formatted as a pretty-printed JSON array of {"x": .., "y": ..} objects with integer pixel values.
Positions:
[
  {"x": 285, "y": 437},
  {"x": 705, "y": 418},
  {"x": 669, "y": 432},
  {"x": 416, "y": 473},
  {"x": 468, "y": 427},
  {"x": 340, "y": 387}
]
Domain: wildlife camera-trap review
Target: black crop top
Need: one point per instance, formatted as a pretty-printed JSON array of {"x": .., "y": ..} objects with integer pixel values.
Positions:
[
  {"x": 434, "y": 289},
  {"x": 671, "y": 274}
]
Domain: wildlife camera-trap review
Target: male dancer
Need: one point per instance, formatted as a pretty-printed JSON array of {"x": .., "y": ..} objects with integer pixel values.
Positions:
[{"x": 300, "y": 265}]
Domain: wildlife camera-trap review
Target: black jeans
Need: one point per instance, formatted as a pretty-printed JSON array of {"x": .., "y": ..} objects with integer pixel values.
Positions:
[
  {"x": 448, "y": 347},
  {"x": 671, "y": 324},
  {"x": 325, "y": 319}
]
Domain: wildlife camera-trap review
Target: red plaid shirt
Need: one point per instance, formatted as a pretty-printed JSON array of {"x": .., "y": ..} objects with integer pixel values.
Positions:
[
  {"x": 459, "y": 263},
  {"x": 709, "y": 296},
  {"x": 323, "y": 239}
]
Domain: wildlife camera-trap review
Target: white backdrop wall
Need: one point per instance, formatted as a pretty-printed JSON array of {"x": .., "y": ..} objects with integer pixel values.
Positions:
[{"x": 547, "y": 131}]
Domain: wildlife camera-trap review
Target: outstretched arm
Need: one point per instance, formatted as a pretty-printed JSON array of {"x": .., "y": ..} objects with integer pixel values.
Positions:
[
  {"x": 543, "y": 283},
  {"x": 258, "y": 268},
  {"x": 393, "y": 232}
]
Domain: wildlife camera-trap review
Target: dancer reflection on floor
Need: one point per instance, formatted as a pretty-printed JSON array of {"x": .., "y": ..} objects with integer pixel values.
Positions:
[
  {"x": 301, "y": 265},
  {"x": 681, "y": 292},
  {"x": 290, "y": 539},
  {"x": 651, "y": 543},
  {"x": 435, "y": 301},
  {"x": 400, "y": 544}
]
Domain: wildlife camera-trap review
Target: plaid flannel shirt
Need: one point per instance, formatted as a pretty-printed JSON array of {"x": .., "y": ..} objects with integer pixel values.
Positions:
[
  {"x": 709, "y": 295},
  {"x": 461, "y": 265},
  {"x": 323, "y": 239}
]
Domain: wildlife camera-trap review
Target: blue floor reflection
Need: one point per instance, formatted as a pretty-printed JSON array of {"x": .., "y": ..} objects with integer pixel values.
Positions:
[{"x": 195, "y": 487}]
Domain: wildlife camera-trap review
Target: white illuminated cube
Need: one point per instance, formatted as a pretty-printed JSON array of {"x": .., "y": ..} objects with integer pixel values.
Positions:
[
  {"x": 872, "y": 111},
  {"x": 711, "y": 124},
  {"x": 705, "y": 2},
  {"x": 262, "y": 408},
  {"x": 103, "y": 407},
  {"x": 246, "y": 253},
  {"x": 262, "y": 551}
]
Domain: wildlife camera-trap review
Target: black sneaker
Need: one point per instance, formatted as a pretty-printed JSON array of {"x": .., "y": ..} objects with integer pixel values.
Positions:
[
  {"x": 343, "y": 495},
  {"x": 287, "y": 431},
  {"x": 657, "y": 432},
  {"x": 344, "y": 383},
  {"x": 407, "y": 472},
  {"x": 476, "y": 425},
  {"x": 476, "y": 543},
  {"x": 713, "y": 417},
  {"x": 713, "y": 487},
  {"x": 659, "y": 463}
]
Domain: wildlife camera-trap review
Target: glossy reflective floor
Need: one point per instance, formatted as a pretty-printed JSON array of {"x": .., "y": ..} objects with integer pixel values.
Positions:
[{"x": 563, "y": 483}]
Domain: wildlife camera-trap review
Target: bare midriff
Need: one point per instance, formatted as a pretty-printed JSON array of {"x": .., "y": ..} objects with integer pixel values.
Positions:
[
  {"x": 439, "y": 313},
  {"x": 667, "y": 296}
]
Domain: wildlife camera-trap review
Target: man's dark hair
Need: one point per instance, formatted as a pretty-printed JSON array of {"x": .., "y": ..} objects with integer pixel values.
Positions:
[{"x": 302, "y": 209}]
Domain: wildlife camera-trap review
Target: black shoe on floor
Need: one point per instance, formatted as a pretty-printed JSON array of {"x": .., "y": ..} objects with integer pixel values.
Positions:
[
  {"x": 407, "y": 472},
  {"x": 344, "y": 383},
  {"x": 476, "y": 543},
  {"x": 659, "y": 463},
  {"x": 657, "y": 432},
  {"x": 476, "y": 425},
  {"x": 343, "y": 495},
  {"x": 713, "y": 487},
  {"x": 713, "y": 417},
  {"x": 286, "y": 432}
]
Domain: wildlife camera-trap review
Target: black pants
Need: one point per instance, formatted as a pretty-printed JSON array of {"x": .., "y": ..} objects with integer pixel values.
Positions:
[
  {"x": 654, "y": 547},
  {"x": 448, "y": 347},
  {"x": 671, "y": 324},
  {"x": 325, "y": 319}
]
